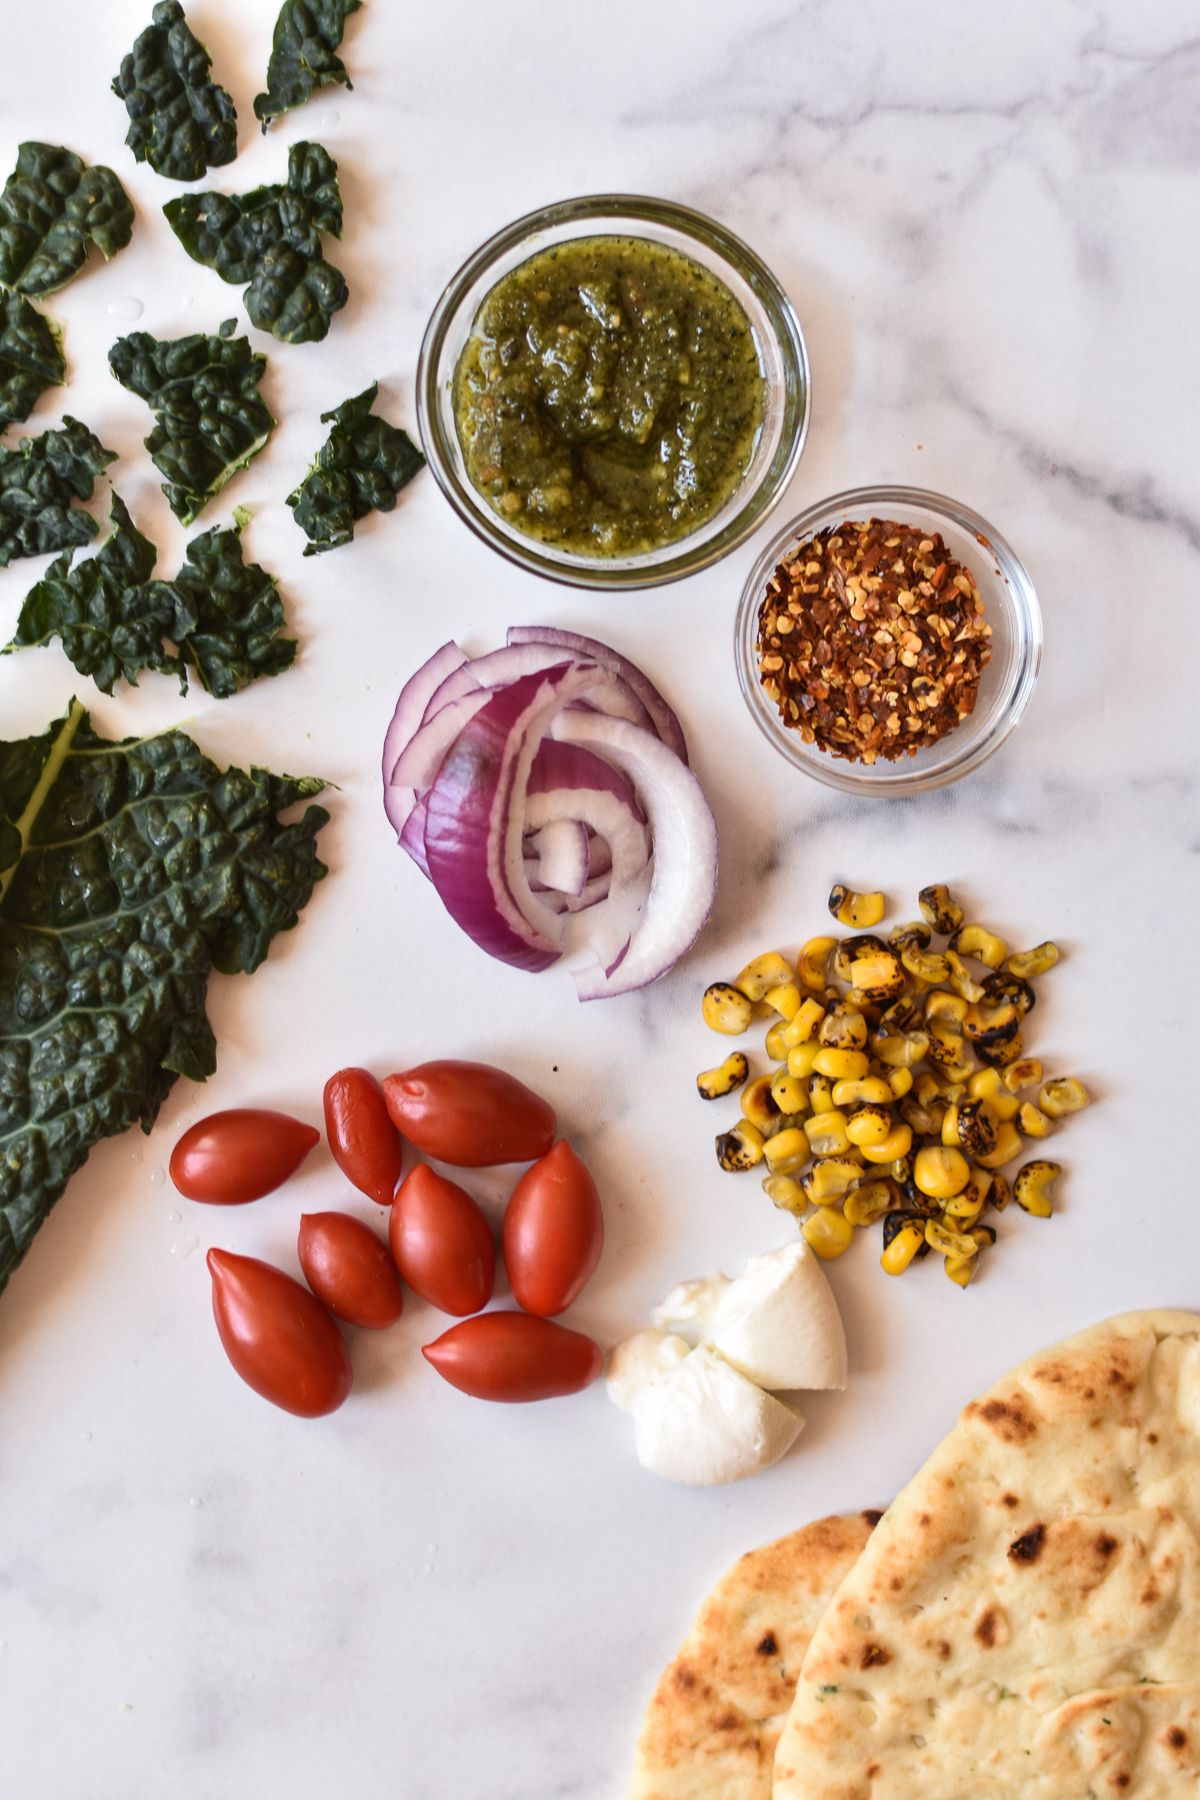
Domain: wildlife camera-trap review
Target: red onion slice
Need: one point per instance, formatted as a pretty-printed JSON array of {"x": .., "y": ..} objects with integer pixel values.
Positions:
[
  {"x": 663, "y": 719},
  {"x": 421, "y": 758},
  {"x": 561, "y": 845},
  {"x": 414, "y": 696}
]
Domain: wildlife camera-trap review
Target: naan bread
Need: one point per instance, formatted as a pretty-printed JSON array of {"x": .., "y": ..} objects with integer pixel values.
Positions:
[
  {"x": 711, "y": 1728},
  {"x": 1025, "y": 1622}
]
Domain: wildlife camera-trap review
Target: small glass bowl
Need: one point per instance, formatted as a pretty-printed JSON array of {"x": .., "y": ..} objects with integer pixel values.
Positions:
[
  {"x": 1010, "y": 607},
  {"x": 782, "y": 352}
]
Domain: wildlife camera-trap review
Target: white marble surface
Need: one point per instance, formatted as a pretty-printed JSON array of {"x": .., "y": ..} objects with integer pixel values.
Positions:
[{"x": 986, "y": 217}]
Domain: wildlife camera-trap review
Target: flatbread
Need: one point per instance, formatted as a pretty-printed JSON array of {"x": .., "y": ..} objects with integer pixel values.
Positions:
[
  {"x": 711, "y": 1728},
  {"x": 1025, "y": 1622}
]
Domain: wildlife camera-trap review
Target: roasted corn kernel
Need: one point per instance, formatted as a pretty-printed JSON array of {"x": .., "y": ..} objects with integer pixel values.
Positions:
[
  {"x": 787, "y": 1151},
  {"x": 961, "y": 980},
  {"x": 1027, "y": 963},
  {"x": 869, "y": 1125},
  {"x": 975, "y": 940},
  {"x": 895, "y": 1145},
  {"x": 726, "y": 1009},
  {"x": 945, "y": 1044},
  {"x": 786, "y": 1193},
  {"x": 840, "y": 1065},
  {"x": 911, "y": 944},
  {"x": 1032, "y": 1123},
  {"x": 949, "y": 1133},
  {"x": 1008, "y": 1145},
  {"x": 900, "y": 1081},
  {"x": 907, "y": 1243},
  {"x": 776, "y": 1047},
  {"x": 820, "y": 1092},
  {"x": 1031, "y": 1189},
  {"x": 800, "y": 1060},
  {"x": 1018, "y": 1075},
  {"x": 1000, "y": 987},
  {"x": 989, "y": 1085},
  {"x": 788, "y": 1093},
  {"x": 722, "y": 1080},
  {"x": 961, "y": 1269},
  {"x": 950, "y": 1243},
  {"x": 784, "y": 999},
  {"x": 1057, "y": 1098},
  {"x": 940, "y": 1172},
  {"x": 929, "y": 1120},
  {"x": 740, "y": 1148},
  {"x": 859, "y": 910},
  {"x": 813, "y": 961},
  {"x": 764, "y": 972},
  {"x": 865, "y": 1204},
  {"x": 826, "y": 1133},
  {"x": 900, "y": 1049},
  {"x": 913, "y": 931},
  {"x": 803, "y": 1024},
  {"x": 831, "y": 1178},
  {"x": 999, "y": 1193},
  {"x": 939, "y": 909},
  {"x": 828, "y": 1232},
  {"x": 1000, "y": 1056},
  {"x": 978, "y": 1127},
  {"x": 988, "y": 1025},
  {"x": 970, "y": 1203},
  {"x": 758, "y": 1105},
  {"x": 843, "y": 1028},
  {"x": 869, "y": 1091},
  {"x": 877, "y": 976}
]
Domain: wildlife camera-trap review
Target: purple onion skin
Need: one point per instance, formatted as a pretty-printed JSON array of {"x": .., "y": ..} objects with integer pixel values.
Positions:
[{"x": 665, "y": 723}]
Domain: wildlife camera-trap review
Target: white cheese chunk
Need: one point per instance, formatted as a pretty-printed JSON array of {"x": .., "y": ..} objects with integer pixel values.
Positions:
[
  {"x": 637, "y": 1362},
  {"x": 778, "y": 1324},
  {"x": 702, "y": 1423}
]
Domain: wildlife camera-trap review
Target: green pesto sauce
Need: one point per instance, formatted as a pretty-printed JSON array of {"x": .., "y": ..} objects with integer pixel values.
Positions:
[{"x": 609, "y": 397}]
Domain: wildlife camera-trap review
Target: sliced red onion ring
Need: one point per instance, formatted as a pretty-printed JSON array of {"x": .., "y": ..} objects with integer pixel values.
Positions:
[
  {"x": 412, "y": 837},
  {"x": 414, "y": 696},
  {"x": 500, "y": 667},
  {"x": 662, "y": 717},
  {"x": 421, "y": 757},
  {"x": 562, "y": 856}
]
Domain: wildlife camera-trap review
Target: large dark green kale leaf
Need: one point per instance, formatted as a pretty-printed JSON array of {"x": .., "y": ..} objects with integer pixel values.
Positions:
[
  {"x": 307, "y": 33},
  {"x": 39, "y": 480},
  {"x": 181, "y": 122},
  {"x": 51, "y": 210},
  {"x": 362, "y": 465},
  {"x": 272, "y": 239},
  {"x": 106, "y": 611},
  {"x": 227, "y": 614},
  {"x": 127, "y": 871},
  {"x": 211, "y": 420},
  {"x": 31, "y": 358}
]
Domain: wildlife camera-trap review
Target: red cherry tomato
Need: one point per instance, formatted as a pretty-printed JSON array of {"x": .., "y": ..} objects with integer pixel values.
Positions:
[
  {"x": 469, "y": 1114},
  {"x": 349, "y": 1270},
  {"x": 365, "y": 1143},
  {"x": 512, "y": 1356},
  {"x": 553, "y": 1232},
  {"x": 280, "y": 1340},
  {"x": 441, "y": 1242},
  {"x": 235, "y": 1156}
]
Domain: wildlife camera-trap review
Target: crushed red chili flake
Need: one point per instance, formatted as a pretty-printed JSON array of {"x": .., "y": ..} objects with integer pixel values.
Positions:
[{"x": 871, "y": 640}]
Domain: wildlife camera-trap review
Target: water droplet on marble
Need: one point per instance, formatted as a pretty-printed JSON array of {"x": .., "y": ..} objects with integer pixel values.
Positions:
[
  {"x": 184, "y": 1247},
  {"x": 158, "y": 1175},
  {"x": 136, "y": 1154},
  {"x": 174, "y": 1218},
  {"x": 85, "y": 1437},
  {"x": 195, "y": 1501},
  {"x": 130, "y": 307},
  {"x": 328, "y": 118}
]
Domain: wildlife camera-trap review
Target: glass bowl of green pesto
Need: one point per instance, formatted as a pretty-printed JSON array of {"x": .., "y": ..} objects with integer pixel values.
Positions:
[{"x": 613, "y": 392}]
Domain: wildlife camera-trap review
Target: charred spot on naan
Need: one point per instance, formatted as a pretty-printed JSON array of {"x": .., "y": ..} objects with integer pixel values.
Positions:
[{"x": 1011, "y": 1418}]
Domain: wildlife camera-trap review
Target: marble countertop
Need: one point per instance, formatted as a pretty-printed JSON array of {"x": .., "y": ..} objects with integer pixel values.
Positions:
[{"x": 986, "y": 218}]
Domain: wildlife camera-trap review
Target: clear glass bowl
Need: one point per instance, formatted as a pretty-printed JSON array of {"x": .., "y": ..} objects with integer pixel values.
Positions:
[
  {"x": 782, "y": 352},
  {"x": 1010, "y": 607}
]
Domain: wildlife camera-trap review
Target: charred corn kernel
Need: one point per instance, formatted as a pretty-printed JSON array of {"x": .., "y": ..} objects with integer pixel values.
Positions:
[
  {"x": 903, "y": 1247},
  {"x": 902, "y": 1015},
  {"x": 1008, "y": 1145},
  {"x": 960, "y": 979},
  {"x": 999, "y": 1193},
  {"x": 812, "y": 962},
  {"x": 984, "y": 1235},
  {"x": 763, "y": 973},
  {"x": 1001, "y": 1056},
  {"x": 726, "y": 1009},
  {"x": 859, "y": 910},
  {"x": 927, "y": 1120},
  {"x": 826, "y": 1133},
  {"x": 787, "y": 1151},
  {"x": 820, "y": 1093},
  {"x": 900, "y": 1049},
  {"x": 776, "y": 1047},
  {"x": 840, "y": 1065},
  {"x": 975, "y": 940},
  {"x": 758, "y": 1105},
  {"x": 900, "y": 1081},
  {"x": 843, "y": 1029},
  {"x": 1000, "y": 988},
  {"x": 961, "y": 1269},
  {"x": 941, "y": 1005},
  {"x": 869, "y": 1125},
  {"x": 803, "y": 1023},
  {"x": 784, "y": 999},
  {"x": 867, "y": 1203},
  {"x": 940, "y": 1172},
  {"x": 911, "y": 944},
  {"x": 985, "y": 1024},
  {"x": 963, "y": 1209},
  {"x": 978, "y": 1126},
  {"x": 740, "y": 1148},
  {"x": 951, "y": 1092},
  {"x": 895, "y": 1145},
  {"x": 786, "y": 1193},
  {"x": 1057, "y": 1098},
  {"x": 870, "y": 1091},
  {"x": 828, "y": 1232},
  {"x": 926, "y": 1088},
  {"x": 956, "y": 1075},
  {"x": 950, "y": 1243},
  {"x": 788, "y": 1093},
  {"x": 1032, "y": 1123},
  {"x": 877, "y": 976},
  {"x": 723, "y": 1079},
  {"x": 1018, "y": 1075},
  {"x": 989, "y": 1085},
  {"x": 899, "y": 1171},
  {"x": 939, "y": 909},
  {"x": 1031, "y": 1189},
  {"x": 800, "y": 1060},
  {"x": 945, "y": 1042},
  {"x": 831, "y": 1178},
  {"x": 1025, "y": 964},
  {"x": 913, "y": 931},
  {"x": 950, "y": 1127}
]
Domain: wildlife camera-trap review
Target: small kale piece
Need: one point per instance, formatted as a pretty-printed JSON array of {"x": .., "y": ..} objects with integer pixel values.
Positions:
[
  {"x": 39, "y": 480},
  {"x": 31, "y": 358},
  {"x": 109, "y": 615},
  {"x": 51, "y": 210},
  {"x": 363, "y": 464},
  {"x": 182, "y": 123},
  {"x": 272, "y": 239},
  {"x": 227, "y": 614},
  {"x": 211, "y": 418},
  {"x": 128, "y": 871},
  {"x": 307, "y": 33}
]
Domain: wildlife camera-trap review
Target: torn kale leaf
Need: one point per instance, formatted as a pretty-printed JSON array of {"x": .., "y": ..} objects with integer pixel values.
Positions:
[
  {"x": 362, "y": 466},
  {"x": 272, "y": 239},
  {"x": 181, "y": 122},
  {"x": 127, "y": 872},
  {"x": 211, "y": 420},
  {"x": 39, "y": 480},
  {"x": 307, "y": 33},
  {"x": 31, "y": 358},
  {"x": 223, "y": 614},
  {"x": 52, "y": 209}
]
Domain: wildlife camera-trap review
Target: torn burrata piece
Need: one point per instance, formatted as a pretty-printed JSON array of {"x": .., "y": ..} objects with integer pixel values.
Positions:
[{"x": 778, "y": 1324}]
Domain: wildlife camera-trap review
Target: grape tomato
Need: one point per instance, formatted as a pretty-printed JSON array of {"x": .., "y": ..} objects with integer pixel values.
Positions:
[
  {"x": 240, "y": 1155},
  {"x": 349, "y": 1270},
  {"x": 441, "y": 1243},
  {"x": 279, "y": 1339},
  {"x": 469, "y": 1114},
  {"x": 512, "y": 1356},
  {"x": 553, "y": 1232},
  {"x": 365, "y": 1144}
]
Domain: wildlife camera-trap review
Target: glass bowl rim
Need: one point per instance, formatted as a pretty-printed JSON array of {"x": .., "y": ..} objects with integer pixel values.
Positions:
[
  {"x": 676, "y": 561},
  {"x": 1018, "y": 595}
]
